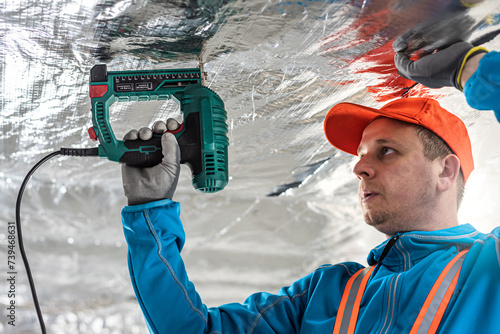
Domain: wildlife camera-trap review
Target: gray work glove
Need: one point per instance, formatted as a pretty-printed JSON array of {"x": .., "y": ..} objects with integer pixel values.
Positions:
[
  {"x": 436, "y": 70},
  {"x": 144, "y": 185}
]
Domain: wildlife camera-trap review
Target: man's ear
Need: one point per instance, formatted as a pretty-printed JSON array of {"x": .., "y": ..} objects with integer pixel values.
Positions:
[{"x": 450, "y": 169}]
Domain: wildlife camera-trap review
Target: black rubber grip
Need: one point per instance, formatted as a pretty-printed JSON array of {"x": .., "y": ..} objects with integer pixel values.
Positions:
[{"x": 149, "y": 156}]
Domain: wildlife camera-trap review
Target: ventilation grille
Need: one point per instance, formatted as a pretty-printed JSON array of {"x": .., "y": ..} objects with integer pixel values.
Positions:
[
  {"x": 215, "y": 162},
  {"x": 101, "y": 122},
  {"x": 210, "y": 186},
  {"x": 210, "y": 164}
]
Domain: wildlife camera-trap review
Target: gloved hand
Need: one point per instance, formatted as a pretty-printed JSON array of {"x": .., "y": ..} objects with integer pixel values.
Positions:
[
  {"x": 144, "y": 185},
  {"x": 439, "y": 69}
]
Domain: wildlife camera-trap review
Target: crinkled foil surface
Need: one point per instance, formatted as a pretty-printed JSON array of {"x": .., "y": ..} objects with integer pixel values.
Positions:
[{"x": 291, "y": 203}]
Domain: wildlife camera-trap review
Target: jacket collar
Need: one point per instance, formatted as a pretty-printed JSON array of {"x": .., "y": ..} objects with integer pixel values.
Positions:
[{"x": 415, "y": 245}]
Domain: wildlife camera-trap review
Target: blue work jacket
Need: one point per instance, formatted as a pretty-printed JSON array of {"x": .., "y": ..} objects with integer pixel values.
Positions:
[{"x": 391, "y": 302}]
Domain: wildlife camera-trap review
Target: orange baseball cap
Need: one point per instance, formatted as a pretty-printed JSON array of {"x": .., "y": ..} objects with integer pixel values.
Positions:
[{"x": 345, "y": 122}]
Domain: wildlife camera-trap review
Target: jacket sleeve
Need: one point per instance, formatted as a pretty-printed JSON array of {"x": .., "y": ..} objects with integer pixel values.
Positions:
[
  {"x": 483, "y": 87},
  {"x": 169, "y": 300}
]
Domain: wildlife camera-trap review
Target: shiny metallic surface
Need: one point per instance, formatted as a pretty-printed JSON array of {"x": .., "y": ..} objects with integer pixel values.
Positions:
[{"x": 291, "y": 202}]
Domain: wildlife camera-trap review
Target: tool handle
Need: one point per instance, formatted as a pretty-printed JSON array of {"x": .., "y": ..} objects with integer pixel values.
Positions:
[{"x": 148, "y": 153}]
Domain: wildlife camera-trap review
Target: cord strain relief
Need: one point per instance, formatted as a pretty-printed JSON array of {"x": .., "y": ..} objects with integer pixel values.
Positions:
[{"x": 80, "y": 152}]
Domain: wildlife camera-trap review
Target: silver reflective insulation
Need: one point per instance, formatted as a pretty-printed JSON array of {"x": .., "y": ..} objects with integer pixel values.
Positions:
[{"x": 279, "y": 66}]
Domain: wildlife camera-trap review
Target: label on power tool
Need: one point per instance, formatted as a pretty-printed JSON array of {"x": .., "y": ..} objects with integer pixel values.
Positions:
[{"x": 150, "y": 82}]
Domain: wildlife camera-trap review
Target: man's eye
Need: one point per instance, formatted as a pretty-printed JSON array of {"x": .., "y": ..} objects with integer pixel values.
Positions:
[{"x": 387, "y": 150}]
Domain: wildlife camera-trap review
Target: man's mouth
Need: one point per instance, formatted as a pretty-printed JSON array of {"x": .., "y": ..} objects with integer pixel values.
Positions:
[{"x": 367, "y": 195}]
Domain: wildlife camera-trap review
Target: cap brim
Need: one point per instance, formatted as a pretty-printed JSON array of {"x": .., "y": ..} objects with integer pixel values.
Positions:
[{"x": 345, "y": 122}]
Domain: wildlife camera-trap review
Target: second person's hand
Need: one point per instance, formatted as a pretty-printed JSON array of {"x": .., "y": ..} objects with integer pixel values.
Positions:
[{"x": 440, "y": 69}]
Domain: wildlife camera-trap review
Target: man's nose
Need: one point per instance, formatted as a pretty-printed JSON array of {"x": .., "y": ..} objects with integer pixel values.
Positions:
[{"x": 364, "y": 169}]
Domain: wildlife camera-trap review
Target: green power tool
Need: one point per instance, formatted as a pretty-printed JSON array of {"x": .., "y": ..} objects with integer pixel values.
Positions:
[{"x": 202, "y": 136}]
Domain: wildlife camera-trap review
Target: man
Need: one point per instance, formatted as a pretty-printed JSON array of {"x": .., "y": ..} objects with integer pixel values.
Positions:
[{"x": 430, "y": 275}]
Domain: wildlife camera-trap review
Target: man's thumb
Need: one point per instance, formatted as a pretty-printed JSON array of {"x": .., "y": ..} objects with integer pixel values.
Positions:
[{"x": 170, "y": 149}]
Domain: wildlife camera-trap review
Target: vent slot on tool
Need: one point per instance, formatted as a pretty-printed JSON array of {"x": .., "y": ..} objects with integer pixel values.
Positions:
[{"x": 101, "y": 122}]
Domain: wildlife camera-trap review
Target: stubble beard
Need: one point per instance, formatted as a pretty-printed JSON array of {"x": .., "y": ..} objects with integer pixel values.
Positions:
[
  {"x": 391, "y": 220},
  {"x": 378, "y": 217},
  {"x": 383, "y": 221}
]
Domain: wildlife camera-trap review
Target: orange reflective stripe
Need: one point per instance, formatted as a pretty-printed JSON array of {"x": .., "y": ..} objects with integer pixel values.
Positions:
[
  {"x": 357, "y": 302},
  {"x": 343, "y": 302},
  {"x": 430, "y": 315},
  {"x": 442, "y": 307},
  {"x": 432, "y": 311},
  {"x": 351, "y": 301}
]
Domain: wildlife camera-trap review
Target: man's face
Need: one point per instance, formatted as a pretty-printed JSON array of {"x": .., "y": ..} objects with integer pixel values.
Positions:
[{"x": 397, "y": 187}]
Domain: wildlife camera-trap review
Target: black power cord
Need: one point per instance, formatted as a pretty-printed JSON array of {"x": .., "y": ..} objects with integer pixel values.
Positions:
[{"x": 63, "y": 151}]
